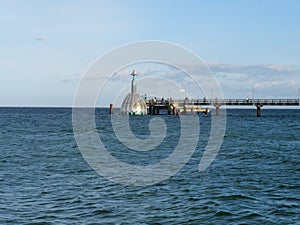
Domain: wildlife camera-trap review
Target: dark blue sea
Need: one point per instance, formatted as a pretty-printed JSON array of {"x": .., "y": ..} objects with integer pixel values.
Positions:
[{"x": 254, "y": 179}]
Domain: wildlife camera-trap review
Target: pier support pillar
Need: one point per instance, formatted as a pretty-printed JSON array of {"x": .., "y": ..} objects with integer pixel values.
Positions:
[
  {"x": 151, "y": 109},
  {"x": 111, "y": 108},
  {"x": 174, "y": 111},
  {"x": 258, "y": 109},
  {"x": 217, "y": 110},
  {"x": 157, "y": 111},
  {"x": 169, "y": 110}
]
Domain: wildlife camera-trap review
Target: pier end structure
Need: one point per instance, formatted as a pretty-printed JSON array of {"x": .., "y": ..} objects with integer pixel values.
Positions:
[
  {"x": 134, "y": 104},
  {"x": 173, "y": 107}
]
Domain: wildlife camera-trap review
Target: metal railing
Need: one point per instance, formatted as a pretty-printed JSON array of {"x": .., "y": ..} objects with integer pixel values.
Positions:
[
  {"x": 238, "y": 101},
  {"x": 230, "y": 101}
]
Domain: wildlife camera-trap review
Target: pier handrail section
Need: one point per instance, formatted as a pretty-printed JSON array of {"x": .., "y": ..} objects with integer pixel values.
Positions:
[
  {"x": 220, "y": 102},
  {"x": 230, "y": 101},
  {"x": 185, "y": 104}
]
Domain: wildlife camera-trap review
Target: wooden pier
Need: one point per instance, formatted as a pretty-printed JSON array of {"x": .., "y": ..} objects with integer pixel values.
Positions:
[
  {"x": 191, "y": 106},
  {"x": 134, "y": 104},
  {"x": 174, "y": 107}
]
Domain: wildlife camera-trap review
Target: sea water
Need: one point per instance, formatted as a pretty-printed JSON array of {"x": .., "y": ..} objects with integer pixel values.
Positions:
[{"x": 254, "y": 179}]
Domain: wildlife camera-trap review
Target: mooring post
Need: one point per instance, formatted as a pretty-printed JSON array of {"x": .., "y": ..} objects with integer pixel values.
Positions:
[
  {"x": 206, "y": 111},
  {"x": 111, "y": 108},
  {"x": 174, "y": 111}
]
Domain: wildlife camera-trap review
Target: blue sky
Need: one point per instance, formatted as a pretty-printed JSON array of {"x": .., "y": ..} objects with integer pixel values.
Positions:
[{"x": 45, "y": 46}]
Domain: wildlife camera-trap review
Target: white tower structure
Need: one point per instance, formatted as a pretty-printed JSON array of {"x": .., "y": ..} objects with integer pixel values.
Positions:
[{"x": 133, "y": 103}]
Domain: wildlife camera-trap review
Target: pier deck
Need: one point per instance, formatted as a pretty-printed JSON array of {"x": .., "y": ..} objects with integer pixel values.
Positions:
[
  {"x": 245, "y": 102},
  {"x": 185, "y": 106}
]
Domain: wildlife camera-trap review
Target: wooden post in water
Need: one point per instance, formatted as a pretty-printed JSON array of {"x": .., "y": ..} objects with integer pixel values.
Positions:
[
  {"x": 206, "y": 111},
  {"x": 174, "y": 111},
  {"x": 111, "y": 108}
]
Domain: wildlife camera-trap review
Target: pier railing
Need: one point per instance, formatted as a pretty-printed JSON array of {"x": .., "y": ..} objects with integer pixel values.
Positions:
[
  {"x": 195, "y": 105},
  {"x": 283, "y": 102},
  {"x": 230, "y": 101}
]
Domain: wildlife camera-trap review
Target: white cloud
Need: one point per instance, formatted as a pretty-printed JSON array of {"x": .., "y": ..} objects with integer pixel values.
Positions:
[
  {"x": 268, "y": 69},
  {"x": 266, "y": 79},
  {"x": 274, "y": 83},
  {"x": 41, "y": 38}
]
